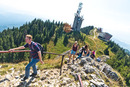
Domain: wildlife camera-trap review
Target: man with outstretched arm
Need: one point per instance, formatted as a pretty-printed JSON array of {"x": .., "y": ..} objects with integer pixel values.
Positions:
[{"x": 35, "y": 54}]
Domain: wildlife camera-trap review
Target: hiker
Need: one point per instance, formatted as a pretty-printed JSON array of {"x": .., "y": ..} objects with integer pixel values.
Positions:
[
  {"x": 35, "y": 54},
  {"x": 81, "y": 51},
  {"x": 74, "y": 51},
  {"x": 92, "y": 54},
  {"x": 87, "y": 52}
]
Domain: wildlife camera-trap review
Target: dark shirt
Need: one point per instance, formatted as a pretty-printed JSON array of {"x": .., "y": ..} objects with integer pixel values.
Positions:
[
  {"x": 34, "y": 49},
  {"x": 83, "y": 49},
  {"x": 75, "y": 48}
]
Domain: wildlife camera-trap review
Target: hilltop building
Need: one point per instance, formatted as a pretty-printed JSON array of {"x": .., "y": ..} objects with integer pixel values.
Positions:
[
  {"x": 104, "y": 36},
  {"x": 78, "y": 19}
]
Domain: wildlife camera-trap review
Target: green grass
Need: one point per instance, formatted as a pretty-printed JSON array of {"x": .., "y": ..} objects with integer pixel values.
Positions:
[
  {"x": 94, "y": 44},
  {"x": 49, "y": 64},
  {"x": 3, "y": 72},
  {"x": 59, "y": 48},
  {"x": 4, "y": 66}
]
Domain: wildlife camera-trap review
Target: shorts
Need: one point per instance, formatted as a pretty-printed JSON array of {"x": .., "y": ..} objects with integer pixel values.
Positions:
[
  {"x": 93, "y": 55},
  {"x": 86, "y": 53},
  {"x": 73, "y": 52}
]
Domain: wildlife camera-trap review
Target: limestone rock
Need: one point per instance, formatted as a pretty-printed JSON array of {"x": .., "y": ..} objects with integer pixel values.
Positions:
[
  {"x": 11, "y": 69},
  {"x": 8, "y": 76},
  {"x": 107, "y": 69},
  {"x": 98, "y": 84},
  {"x": 113, "y": 75},
  {"x": 82, "y": 62},
  {"x": 89, "y": 59},
  {"x": 89, "y": 69}
]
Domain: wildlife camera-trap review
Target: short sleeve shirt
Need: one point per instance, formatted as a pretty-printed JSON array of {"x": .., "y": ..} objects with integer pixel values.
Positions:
[{"x": 34, "y": 49}]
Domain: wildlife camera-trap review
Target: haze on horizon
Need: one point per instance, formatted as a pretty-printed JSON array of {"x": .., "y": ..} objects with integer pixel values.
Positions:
[{"x": 111, "y": 15}]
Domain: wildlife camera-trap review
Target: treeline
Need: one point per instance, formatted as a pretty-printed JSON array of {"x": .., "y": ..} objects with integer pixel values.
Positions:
[
  {"x": 40, "y": 30},
  {"x": 87, "y": 29},
  {"x": 121, "y": 60},
  {"x": 42, "y": 33}
]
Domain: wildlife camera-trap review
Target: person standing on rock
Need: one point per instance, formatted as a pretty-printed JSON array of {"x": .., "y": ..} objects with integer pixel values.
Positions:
[
  {"x": 74, "y": 51},
  {"x": 35, "y": 53}
]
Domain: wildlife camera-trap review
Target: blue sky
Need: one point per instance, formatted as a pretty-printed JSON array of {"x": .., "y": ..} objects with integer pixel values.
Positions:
[{"x": 112, "y": 15}]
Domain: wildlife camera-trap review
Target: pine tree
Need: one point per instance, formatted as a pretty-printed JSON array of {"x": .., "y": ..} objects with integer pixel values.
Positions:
[
  {"x": 65, "y": 42},
  {"x": 55, "y": 40},
  {"x": 106, "y": 52}
]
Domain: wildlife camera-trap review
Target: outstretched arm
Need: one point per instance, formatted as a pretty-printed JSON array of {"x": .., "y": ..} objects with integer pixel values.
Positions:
[{"x": 18, "y": 48}]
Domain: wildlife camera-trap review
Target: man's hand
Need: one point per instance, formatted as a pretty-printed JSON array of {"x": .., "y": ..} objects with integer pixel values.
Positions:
[
  {"x": 41, "y": 62},
  {"x": 10, "y": 50},
  {"x": 39, "y": 54},
  {"x": 21, "y": 47}
]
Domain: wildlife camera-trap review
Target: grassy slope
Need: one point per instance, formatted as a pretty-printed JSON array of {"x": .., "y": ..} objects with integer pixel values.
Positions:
[{"x": 94, "y": 44}]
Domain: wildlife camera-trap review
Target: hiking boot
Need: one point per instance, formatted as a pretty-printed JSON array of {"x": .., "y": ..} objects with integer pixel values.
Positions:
[
  {"x": 24, "y": 79},
  {"x": 33, "y": 74},
  {"x": 77, "y": 58},
  {"x": 73, "y": 62}
]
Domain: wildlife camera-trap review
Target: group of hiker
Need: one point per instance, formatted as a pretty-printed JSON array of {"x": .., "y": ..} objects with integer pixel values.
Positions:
[
  {"x": 83, "y": 51},
  {"x": 36, "y": 54}
]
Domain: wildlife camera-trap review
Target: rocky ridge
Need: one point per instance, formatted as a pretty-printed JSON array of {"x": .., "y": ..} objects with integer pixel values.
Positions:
[{"x": 92, "y": 73}]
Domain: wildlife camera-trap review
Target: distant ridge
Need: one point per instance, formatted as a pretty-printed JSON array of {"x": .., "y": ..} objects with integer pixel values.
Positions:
[
  {"x": 10, "y": 19},
  {"x": 3, "y": 27},
  {"x": 122, "y": 44}
]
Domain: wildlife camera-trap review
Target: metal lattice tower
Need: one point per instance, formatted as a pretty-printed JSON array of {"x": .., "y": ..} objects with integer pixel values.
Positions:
[{"x": 78, "y": 19}]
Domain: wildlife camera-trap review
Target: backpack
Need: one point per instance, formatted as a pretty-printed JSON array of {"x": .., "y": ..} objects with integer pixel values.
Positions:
[
  {"x": 40, "y": 46},
  {"x": 98, "y": 59}
]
